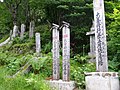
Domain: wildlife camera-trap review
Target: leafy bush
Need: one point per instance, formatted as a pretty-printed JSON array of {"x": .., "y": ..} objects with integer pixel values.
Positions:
[
  {"x": 80, "y": 59},
  {"x": 78, "y": 69},
  {"x": 31, "y": 82},
  {"x": 45, "y": 35},
  {"x": 42, "y": 64}
]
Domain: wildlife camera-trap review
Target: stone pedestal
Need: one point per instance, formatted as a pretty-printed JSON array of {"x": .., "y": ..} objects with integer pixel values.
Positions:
[
  {"x": 102, "y": 81},
  {"x": 62, "y": 85}
]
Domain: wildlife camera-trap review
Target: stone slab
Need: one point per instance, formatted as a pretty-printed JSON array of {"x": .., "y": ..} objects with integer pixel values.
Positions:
[
  {"x": 62, "y": 85},
  {"x": 102, "y": 81}
]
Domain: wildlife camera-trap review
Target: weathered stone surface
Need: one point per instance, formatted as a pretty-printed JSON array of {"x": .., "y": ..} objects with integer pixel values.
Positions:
[
  {"x": 5, "y": 42},
  {"x": 100, "y": 36},
  {"x": 92, "y": 53},
  {"x": 102, "y": 81},
  {"x": 11, "y": 32},
  {"x": 38, "y": 44},
  {"x": 55, "y": 51},
  {"x": 66, "y": 51},
  {"x": 22, "y": 31},
  {"x": 15, "y": 31},
  {"x": 31, "y": 29},
  {"x": 62, "y": 85}
]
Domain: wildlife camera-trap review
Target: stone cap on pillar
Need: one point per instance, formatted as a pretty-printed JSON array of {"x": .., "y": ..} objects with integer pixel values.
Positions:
[
  {"x": 90, "y": 33},
  {"x": 66, "y": 23},
  {"x": 54, "y": 26},
  {"x": 102, "y": 74}
]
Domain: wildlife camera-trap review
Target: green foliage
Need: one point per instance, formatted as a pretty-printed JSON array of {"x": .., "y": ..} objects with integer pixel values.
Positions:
[
  {"x": 42, "y": 64},
  {"x": 78, "y": 13},
  {"x": 80, "y": 59},
  {"x": 31, "y": 82},
  {"x": 3, "y": 57},
  {"x": 3, "y": 39},
  {"x": 22, "y": 46},
  {"x": 78, "y": 69},
  {"x": 5, "y": 21},
  {"x": 15, "y": 63},
  {"x": 45, "y": 37},
  {"x": 113, "y": 23}
]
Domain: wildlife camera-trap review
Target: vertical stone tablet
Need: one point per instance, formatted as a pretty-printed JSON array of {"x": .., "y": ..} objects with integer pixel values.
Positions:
[
  {"x": 55, "y": 36},
  {"x": 22, "y": 31},
  {"x": 15, "y": 31},
  {"x": 11, "y": 32},
  {"x": 66, "y": 51},
  {"x": 38, "y": 44},
  {"x": 31, "y": 29},
  {"x": 100, "y": 36},
  {"x": 92, "y": 43}
]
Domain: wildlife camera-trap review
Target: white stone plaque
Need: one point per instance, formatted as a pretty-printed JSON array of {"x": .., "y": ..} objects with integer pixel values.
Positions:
[{"x": 100, "y": 36}]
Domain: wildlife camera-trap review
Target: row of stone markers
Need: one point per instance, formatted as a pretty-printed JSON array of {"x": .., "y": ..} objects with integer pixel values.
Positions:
[
  {"x": 31, "y": 30},
  {"x": 15, "y": 31},
  {"x": 102, "y": 79},
  {"x": 65, "y": 83}
]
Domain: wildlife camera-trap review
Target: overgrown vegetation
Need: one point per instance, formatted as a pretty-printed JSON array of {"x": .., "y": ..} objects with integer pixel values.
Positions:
[{"x": 79, "y": 13}]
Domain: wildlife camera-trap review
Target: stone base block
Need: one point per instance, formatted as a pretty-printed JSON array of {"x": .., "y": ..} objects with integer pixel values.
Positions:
[
  {"x": 102, "y": 81},
  {"x": 62, "y": 85}
]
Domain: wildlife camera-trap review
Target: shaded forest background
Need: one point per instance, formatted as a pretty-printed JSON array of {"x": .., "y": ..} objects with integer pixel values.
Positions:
[{"x": 79, "y": 13}]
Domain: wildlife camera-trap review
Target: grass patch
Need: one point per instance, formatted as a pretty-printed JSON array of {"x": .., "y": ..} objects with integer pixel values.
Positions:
[{"x": 29, "y": 82}]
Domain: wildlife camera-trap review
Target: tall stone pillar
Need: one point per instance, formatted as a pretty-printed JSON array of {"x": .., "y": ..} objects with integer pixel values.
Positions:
[
  {"x": 55, "y": 38},
  {"x": 22, "y": 31},
  {"x": 101, "y": 80},
  {"x": 15, "y": 31},
  {"x": 31, "y": 29},
  {"x": 66, "y": 51},
  {"x": 92, "y": 54},
  {"x": 100, "y": 36},
  {"x": 38, "y": 43}
]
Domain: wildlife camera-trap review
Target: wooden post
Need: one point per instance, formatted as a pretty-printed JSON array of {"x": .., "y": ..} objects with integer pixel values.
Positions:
[
  {"x": 55, "y": 36},
  {"x": 66, "y": 51},
  {"x": 100, "y": 36},
  {"x": 38, "y": 44}
]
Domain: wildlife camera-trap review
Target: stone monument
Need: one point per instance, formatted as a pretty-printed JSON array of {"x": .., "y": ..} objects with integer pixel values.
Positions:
[
  {"x": 38, "y": 44},
  {"x": 65, "y": 83},
  {"x": 55, "y": 48},
  {"x": 15, "y": 31},
  {"x": 31, "y": 29},
  {"x": 92, "y": 43},
  {"x": 66, "y": 51},
  {"x": 102, "y": 79},
  {"x": 22, "y": 31}
]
